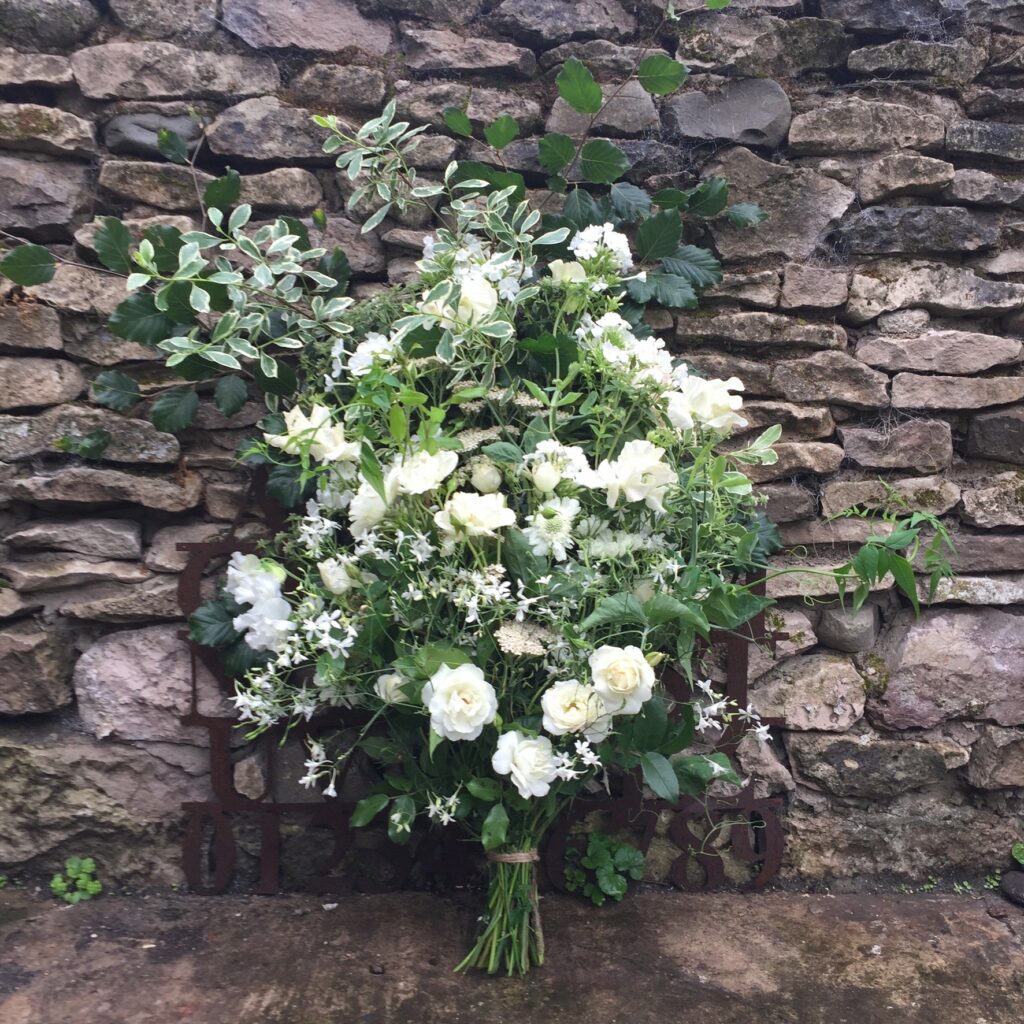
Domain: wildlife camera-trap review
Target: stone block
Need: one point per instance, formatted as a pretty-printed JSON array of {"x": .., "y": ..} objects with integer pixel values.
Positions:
[
  {"x": 330, "y": 26},
  {"x": 27, "y": 382},
  {"x": 998, "y": 435},
  {"x": 820, "y": 692},
  {"x": 843, "y": 629},
  {"x": 749, "y": 112},
  {"x": 35, "y": 668},
  {"x": 102, "y": 538},
  {"x": 950, "y": 352},
  {"x": 854, "y": 125},
  {"x": 835, "y": 375},
  {"x": 923, "y": 445}
]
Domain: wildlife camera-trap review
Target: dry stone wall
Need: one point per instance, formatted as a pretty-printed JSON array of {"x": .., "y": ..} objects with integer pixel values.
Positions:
[{"x": 878, "y": 315}]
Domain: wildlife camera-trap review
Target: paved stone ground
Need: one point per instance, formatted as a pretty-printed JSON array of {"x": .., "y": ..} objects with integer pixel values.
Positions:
[{"x": 722, "y": 959}]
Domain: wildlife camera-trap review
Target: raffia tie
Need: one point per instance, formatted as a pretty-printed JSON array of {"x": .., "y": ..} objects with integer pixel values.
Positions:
[{"x": 522, "y": 857}]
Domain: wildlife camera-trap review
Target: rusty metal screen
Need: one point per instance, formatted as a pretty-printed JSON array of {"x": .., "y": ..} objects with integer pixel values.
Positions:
[{"x": 248, "y": 841}]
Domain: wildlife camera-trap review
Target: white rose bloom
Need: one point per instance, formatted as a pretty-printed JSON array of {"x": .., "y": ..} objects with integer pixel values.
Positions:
[
  {"x": 550, "y": 529},
  {"x": 486, "y": 477},
  {"x": 478, "y": 299},
  {"x": 638, "y": 473},
  {"x": 622, "y": 677},
  {"x": 572, "y": 707},
  {"x": 530, "y": 762},
  {"x": 423, "y": 472},
  {"x": 473, "y": 515},
  {"x": 460, "y": 701},
  {"x": 388, "y": 688},
  {"x": 337, "y": 575},
  {"x": 566, "y": 273}
]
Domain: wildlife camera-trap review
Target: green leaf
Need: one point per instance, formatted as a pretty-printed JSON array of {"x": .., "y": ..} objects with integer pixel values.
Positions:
[
  {"x": 458, "y": 122},
  {"x": 611, "y": 882},
  {"x": 285, "y": 484},
  {"x": 484, "y": 789},
  {"x": 174, "y": 410},
  {"x": 522, "y": 563},
  {"x": 230, "y": 394},
  {"x": 431, "y": 657},
  {"x": 115, "y": 390},
  {"x": 709, "y": 198},
  {"x": 496, "y": 180},
  {"x": 717, "y": 5},
  {"x": 166, "y": 242},
  {"x": 582, "y": 209},
  {"x": 555, "y": 151},
  {"x": 367, "y": 809},
  {"x": 659, "y": 775},
  {"x": 284, "y": 384},
  {"x": 495, "y": 828},
  {"x": 113, "y": 243},
  {"x": 371, "y": 469},
  {"x": 602, "y": 163},
  {"x": 501, "y": 131},
  {"x": 629, "y": 202},
  {"x": 336, "y": 264},
  {"x": 660, "y": 74},
  {"x": 172, "y": 146},
  {"x": 630, "y": 861},
  {"x": 663, "y": 608},
  {"x": 28, "y": 265},
  {"x": 649, "y": 727},
  {"x": 222, "y": 193},
  {"x": 671, "y": 199},
  {"x": 577, "y": 87},
  {"x": 698, "y": 266},
  {"x": 211, "y": 625},
  {"x": 903, "y": 573},
  {"x": 745, "y": 215},
  {"x": 672, "y": 291},
  {"x": 620, "y": 609},
  {"x": 138, "y": 319},
  {"x": 1017, "y": 850},
  {"x": 89, "y": 446},
  {"x": 658, "y": 235},
  {"x": 696, "y": 772},
  {"x": 503, "y": 452}
]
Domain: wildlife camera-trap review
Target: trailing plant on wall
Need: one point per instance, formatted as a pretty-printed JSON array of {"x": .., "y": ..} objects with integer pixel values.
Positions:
[{"x": 511, "y": 513}]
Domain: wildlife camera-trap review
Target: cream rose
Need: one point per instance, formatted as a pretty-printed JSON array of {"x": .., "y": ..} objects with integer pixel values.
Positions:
[
  {"x": 622, "y": 678},
  {"x": 477, "y": 299},
  {"x": 573, "y": 706},
  {"x": 389, "y": 688},
  {"x": 486, "y": 477},
  {"x": 566, "y": 273},
  {"x": 638, "y": 473},
  {"x": 473, "y": 515},
  {"x": 530, "y": 762},
  {"x": 424, "y": 472},
  {"x": 460, "y": 701}
]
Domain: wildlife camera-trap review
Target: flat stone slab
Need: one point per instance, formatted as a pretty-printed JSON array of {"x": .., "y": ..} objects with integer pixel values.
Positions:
[{"x": 726, "y": 958}]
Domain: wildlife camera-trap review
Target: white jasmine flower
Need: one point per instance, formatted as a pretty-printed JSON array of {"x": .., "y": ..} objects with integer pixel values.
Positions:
[
  {"x": 571, "y": 707},
  {"x": 389, "y": 688},
  {"x": 530, "y": 762},
  {"x": 423, "y": 472},
  {"x": 638, "y": 473},
  {"x": 622, "y": 677},
  {"x": 473, "y": 515},
  {"x": 587, "y": 754},
  {"x": 564, "y": 273},
  {"x": 460, "y": 701},
  {"x": 550, "y": 529}
]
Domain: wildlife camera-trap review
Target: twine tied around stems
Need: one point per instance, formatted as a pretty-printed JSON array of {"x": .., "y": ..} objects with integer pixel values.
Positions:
[{"x": 522, "y": 857}]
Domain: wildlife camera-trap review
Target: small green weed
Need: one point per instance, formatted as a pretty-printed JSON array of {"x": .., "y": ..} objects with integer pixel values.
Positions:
[
  {"x": 605, "y": 870},
  {"x": 78, "y": 882}
]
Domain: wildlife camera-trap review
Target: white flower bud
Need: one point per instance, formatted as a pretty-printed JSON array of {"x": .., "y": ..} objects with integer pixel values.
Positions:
[
  {"x": 546, "y": 476},
  {"x": 486, "y": 476}
]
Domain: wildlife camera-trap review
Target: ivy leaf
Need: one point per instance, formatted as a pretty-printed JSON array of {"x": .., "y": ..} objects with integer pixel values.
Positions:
[
  {"x": 501, "y": 131},
  {"x": 698, "y": 266},
  {"x": 577, "y": 87},
  {"x": 174, "y": 410},
  {"x": 495, "y": 828},
  {"x": 672, "y": 291},
  {"x": 112, "y": 244},
  {"x": 230, "y": 395},
  {"x": 28, "y": 265},
  {"x": 172, "y": 146},
  {"x": 211, "y": 625},
  {"x": 629, "y": 202},
  {"x": 660, "y": 74},
  {"x": 602, "y": 163},
  {"x": 115, "y": 390},
  {"x": 367, "y": 809},
  {"x": 222, "y": 193},
  {"x": 89, "y": 446},
  {"x": 658, "y": 235},
  {"x": 456, "y": 119},
  {"x": 745, "y": 215},
  {"x": 138, "y": 319},
  {"x": 709, "y": 197},
  {"x": 660, "y": 776},
  {"x": 555, "y": 151}
]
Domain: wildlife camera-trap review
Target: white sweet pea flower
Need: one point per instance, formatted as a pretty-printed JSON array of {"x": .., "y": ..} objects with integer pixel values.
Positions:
[
  {"x": 375, "y": 347},
  {"x": 423, "y": 472},
  {"x": 388, "y": 688},
  {"x": 367, "y": 508},
  {"x": 460, "y": 701},
  {"x": 326, "y": 441},
  {"x": 564, "y": 273},
  {"x": 639, "y": 474},
  {"x": 588, "y": 243},
  {"x": 622, "y": 677},
  {"x": 572, "y": 707},
  {"x": 473, "y": 515},
  {"x": 251, "y": 579},
  {"x": 530, "y": 762},
  {"x": 707, "y": 403},
  {"x": 338, "y": 575}
]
